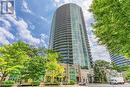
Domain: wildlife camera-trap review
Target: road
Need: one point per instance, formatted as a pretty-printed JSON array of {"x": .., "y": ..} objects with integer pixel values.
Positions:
[{"x": 107, "y": 85}]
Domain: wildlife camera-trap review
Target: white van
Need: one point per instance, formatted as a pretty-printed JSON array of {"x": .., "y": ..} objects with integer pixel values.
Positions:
[{"x": 117, "y": 80}]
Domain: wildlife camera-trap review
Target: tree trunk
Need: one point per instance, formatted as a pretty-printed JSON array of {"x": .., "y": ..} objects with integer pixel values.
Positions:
[
  {"x": 44, "y": 80},
  {"x": 0, "y": 83},
  {"x": 2, "y": 79},
  {"x": 52, "y": 79},
  {"x": 32, "y": 83}
]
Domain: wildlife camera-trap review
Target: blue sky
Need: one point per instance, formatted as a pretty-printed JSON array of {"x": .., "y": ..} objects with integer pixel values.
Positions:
[{"x": 31, "y": 23}]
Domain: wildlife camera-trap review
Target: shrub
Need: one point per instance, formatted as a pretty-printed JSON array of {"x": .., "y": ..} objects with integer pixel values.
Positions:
[
  {"x": 71, "y": 82},
  {"x": 7, "y": 83},
  {"x": 36, "y": 83},
  {"x": 54, "y": 83}
]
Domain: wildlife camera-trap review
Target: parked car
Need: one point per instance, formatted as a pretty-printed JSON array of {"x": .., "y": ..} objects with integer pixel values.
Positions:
[{"x": 117, "y": 80}]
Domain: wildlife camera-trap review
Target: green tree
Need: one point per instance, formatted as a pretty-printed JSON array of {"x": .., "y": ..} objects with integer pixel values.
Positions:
[
  {"x": 119, "y": 68},
  {"x": 34, "y": 69},
  {"x": 24, "y": 62},
  {"x": 127, "y": 75},
  {"x": 12, "y": 58},
  {"x": 112, "y": 24},
  {"x": 53, "y": 68},
  {"x": 100, "y": 67},
  {"x": 125, "y": 70}
]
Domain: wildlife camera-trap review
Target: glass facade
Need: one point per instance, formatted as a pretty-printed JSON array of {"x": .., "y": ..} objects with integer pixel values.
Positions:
[
  {"x": 119, "y": 60},
  {"x": 73, "y": 74},
  {"x": 69, "y": 36}
]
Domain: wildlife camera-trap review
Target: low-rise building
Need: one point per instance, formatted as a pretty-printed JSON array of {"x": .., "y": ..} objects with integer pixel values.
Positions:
[{"x": 75, "y": 73}]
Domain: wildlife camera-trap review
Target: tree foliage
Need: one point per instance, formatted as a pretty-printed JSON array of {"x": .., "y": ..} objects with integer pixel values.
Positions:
[
  {"x": 112, "y": 24},
  {"x": 12, "y": 58},
  {"x": 127, "y": 75},
  {"x": 34, "y": 69},
  {"x": 120, "y": 68},
  {"x": 53, "y": 68},
  {"x": 20, "y": 61},
  {"x": 100, "y": 67}
]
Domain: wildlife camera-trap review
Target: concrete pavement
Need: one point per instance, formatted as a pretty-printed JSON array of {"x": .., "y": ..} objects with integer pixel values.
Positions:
[
  {"x": 97, "y": 85},
  {"x": 90, "y": 85},
  {"x": 108, "y": 85}
]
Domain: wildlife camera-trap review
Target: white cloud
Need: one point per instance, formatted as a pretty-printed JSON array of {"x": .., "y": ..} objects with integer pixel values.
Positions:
[
  {"x": 85, "y": 4},
  {"x": 4, "y": 32},
  {"x": 5, "y": 23},
  {"x": 21, "y": 29},
  {"x": 56, "y": 0},
  {"x": 3, "y": 39},
  {"x": 23, "y": 32},
  {"x": 25, "y": 7},
  {"x": 5, "y": 35},
  {"x": 44, "y": 19},
  {"x": 43, "y": 39},
  {"x": 31, "y": 25},
  {"x": 98, "y": 51}
]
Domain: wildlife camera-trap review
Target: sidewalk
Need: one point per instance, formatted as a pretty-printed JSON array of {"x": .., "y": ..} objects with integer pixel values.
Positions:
[
  {"x": 65, "y": 86},
  {"x": 56, "y": 86}
]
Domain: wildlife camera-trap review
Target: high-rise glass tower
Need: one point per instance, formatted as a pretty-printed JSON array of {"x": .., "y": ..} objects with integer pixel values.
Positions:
[
  {"x": 119, "y": 60},
  {"x": 69, "y": 36}
]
